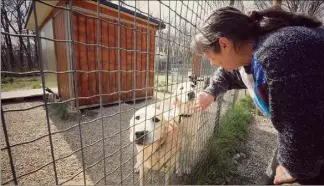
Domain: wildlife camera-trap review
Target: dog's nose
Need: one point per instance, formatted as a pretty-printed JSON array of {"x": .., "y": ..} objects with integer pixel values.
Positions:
[
  {"x": 191, "y": 95},
  {"x": 140, "y": 134}
]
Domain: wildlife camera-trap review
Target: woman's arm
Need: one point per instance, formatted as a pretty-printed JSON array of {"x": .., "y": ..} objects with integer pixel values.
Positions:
[{"x": 223, "y": 81}]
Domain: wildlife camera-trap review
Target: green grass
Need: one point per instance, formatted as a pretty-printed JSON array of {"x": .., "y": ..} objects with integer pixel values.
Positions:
[
  {"x": 225, "y": 144},
  {"x": 60, "y": 110},
  {"x": 20, "y": 83},
  {"x": 24, "y": 83}
]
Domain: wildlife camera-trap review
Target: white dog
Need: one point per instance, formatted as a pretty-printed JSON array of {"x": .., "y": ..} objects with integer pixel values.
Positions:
[
  {"x": 188, "y": 120},
  {"x": 156, "y": 142},
  {"x": 181, "y": 120}
]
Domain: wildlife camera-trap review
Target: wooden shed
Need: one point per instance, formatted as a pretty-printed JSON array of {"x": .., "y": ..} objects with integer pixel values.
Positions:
[{"x": 137, "y": 50}]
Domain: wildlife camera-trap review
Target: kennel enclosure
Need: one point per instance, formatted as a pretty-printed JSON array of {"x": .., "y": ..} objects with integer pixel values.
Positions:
[{"x": 135, "y": 39}]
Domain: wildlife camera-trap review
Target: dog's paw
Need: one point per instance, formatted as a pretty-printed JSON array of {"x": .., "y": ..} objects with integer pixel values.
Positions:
[{"x": 136, "y": 168}]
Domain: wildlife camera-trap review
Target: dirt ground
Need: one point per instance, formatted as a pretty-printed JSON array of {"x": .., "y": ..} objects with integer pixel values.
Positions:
[{"x": 259, "y": 147}]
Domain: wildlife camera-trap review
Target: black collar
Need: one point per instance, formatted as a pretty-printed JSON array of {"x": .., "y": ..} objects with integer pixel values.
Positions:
[{"x": 184, "y": 116}]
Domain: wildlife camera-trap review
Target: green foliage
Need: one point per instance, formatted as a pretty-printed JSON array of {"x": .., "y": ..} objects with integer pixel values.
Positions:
[{"x": 221, "y": 147}]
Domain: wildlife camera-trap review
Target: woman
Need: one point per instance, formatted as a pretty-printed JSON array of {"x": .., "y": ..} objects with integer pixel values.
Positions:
[{"x": 279, "y": 57}]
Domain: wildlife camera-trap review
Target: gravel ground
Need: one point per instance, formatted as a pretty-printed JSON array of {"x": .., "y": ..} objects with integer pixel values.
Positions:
[
  {"x": 259, "y": 146},
  {"x": 27, "y": 125}
]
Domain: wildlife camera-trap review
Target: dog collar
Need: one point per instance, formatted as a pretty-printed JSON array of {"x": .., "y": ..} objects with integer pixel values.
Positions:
[{"x": 184, "y": 116}]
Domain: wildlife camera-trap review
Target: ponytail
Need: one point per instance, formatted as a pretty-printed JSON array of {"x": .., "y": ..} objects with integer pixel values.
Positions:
[
  {"x": 275, "y": 17},
  {"x": 239, "y": 27}
]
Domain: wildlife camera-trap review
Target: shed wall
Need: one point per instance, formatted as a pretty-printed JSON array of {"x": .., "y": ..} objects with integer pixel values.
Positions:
[
  {"x": 60, "y": 29},
  {"x": 85, "y": 31}
]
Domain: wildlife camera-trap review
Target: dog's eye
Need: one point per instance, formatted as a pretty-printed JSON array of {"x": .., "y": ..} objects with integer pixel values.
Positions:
[
  {"x": 155, "y": 119},
  {"x": 193, "y": 86},
  {"x": 137, "y": 117}
]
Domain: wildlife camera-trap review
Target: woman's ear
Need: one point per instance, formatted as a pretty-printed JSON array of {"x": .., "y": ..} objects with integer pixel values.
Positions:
[{"x": 223, "y": 42}]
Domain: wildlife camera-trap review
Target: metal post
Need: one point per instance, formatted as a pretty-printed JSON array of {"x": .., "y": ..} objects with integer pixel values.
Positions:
[
  {"x": 119, "y": 93},
  {"x": 134, "y": 82},
  {"x": 168, "y": 53},
  {"x": 38, "y": 43},
  {"x": 100, "y": 85},
  {"x": 76, "y": 90},
  {"x": 12, "y": 165},
  {"x": 235, "y": 97}
]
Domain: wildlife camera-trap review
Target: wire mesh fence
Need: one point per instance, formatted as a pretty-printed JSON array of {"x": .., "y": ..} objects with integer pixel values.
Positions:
[{"x": 122, "y": 97}]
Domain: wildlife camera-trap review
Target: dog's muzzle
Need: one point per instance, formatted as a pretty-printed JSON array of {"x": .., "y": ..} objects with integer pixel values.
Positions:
[
  {"x": 140, "y": 137},
  {"x": 191, "y": 95}
]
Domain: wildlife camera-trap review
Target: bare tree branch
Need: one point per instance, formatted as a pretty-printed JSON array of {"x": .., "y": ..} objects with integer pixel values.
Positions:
[
  {"x": 313, "y": 8},
  {"x": 13, "y": 15}
]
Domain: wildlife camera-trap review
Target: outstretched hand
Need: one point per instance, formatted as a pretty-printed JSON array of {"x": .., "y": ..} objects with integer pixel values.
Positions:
[{"x": 203, "y": 100}]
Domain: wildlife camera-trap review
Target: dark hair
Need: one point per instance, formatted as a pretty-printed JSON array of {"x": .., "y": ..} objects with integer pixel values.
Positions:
[{"x": 231, "y": 23}]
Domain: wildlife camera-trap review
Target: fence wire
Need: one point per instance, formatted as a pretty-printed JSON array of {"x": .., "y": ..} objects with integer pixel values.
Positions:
[{"x": 103, "y": 67}]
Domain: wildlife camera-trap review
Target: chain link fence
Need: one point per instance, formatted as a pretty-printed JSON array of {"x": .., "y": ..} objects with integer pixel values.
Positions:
[{"x": 109, "y": 60}]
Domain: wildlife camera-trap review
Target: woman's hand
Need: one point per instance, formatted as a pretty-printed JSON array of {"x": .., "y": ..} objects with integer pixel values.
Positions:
[
  {"x": 204, "y": 100},
  {"x": 282, "y": 176}
]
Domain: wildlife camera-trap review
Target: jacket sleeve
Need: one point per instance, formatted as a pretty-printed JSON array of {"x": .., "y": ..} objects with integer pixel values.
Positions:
[
  {"x": 223, "y": 81},
  {"x": 296, "y": 97}
]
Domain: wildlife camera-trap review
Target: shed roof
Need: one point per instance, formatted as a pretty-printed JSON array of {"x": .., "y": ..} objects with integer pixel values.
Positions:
[{"x": 44, "y": 10}]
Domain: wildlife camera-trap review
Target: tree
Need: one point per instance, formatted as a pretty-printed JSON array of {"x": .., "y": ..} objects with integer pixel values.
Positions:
[
  {"x": 13, "y": 14},
  {"x": 7, "y": 56},
  {"x": 312, "y": 8}
]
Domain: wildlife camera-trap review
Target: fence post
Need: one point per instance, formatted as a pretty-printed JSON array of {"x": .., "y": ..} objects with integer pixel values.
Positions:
[
  {"x": 219, "y": 101},
  {"x": 196, "y": 65},
  {"x": 41, "y": 65},
  {"x": 12, "y": 165},
  {"x": 235, "y": 97}
]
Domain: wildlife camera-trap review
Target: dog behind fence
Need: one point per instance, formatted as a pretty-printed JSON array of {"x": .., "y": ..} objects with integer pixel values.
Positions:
[{"x": 111, "y": 62}]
